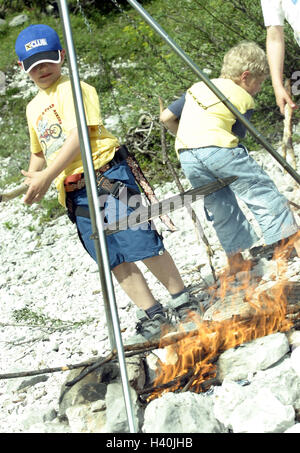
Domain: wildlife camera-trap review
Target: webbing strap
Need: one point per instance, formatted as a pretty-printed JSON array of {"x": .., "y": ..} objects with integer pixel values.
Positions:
[{"x": 83, "y": 211}]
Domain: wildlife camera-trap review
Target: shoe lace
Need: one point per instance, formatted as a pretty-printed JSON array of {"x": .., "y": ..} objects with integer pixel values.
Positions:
[{"x": 187, "y": 309}]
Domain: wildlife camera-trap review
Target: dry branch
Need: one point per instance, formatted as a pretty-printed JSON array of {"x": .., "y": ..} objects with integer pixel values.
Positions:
[
  {"x": 287, "y": 141},
  {"x": 6, "y": 196},
  {"x": 292, "y": 203},
  {"x": 292, "y": 315},
  {"x": 131, "y": 350}
]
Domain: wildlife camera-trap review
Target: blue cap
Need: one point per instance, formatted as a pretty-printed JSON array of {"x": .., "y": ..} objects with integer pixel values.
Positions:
[{"x": 37, "y": 44}]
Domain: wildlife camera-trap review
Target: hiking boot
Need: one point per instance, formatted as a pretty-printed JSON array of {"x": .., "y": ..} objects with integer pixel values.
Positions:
[
  {"x": 149, "y": 329},
  {"x": 284, "y": 247},
  {"x": 263, "y": 251},
  {"x": 186, "y": 307}
]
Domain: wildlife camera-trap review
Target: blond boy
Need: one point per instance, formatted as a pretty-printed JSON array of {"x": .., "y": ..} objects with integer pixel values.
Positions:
[{"x": 207, "y": 143}]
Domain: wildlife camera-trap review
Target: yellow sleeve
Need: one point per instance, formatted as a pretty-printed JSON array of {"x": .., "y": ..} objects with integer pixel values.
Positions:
[
  {"x": 35, "y": 146},
  {"x": 90, "y": 101},
  {"x": 242, "y": 100}
]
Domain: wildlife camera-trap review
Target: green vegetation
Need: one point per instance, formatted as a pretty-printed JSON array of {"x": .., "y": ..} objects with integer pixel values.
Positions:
[
  {"x": 8, "y": 225},
  {"x": 37, "y": 318},
  {"x": 132, "y": 66},
  {"x": 51, "y": 209}
]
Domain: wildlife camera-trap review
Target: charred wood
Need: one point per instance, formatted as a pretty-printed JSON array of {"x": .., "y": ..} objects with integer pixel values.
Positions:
[{"x": 255, "y": 318}]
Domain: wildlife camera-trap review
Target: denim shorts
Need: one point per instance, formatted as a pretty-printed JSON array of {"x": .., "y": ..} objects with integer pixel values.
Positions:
[
  {"x": 127, "y": 245},
  {"x": 253, "y": 186}
]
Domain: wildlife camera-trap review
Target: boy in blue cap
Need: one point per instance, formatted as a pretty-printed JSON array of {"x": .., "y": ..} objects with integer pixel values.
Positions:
[{"x": 55, "y": 156}]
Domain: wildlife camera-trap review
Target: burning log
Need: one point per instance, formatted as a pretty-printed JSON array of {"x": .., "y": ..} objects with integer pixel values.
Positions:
[
  {"x": 231, "y": 321},
  {"x": 183, "y": 382},
  {"x": 270, "y": 310}
]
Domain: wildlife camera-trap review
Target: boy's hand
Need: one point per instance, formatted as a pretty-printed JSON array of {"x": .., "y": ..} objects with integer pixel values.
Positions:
[
  {"x": 38, "y": 183},
  {"x": 283, "y": 98}
]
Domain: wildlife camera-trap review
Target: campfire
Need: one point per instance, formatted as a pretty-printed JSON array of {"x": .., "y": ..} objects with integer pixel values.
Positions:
[
  {"x": 241, "y": 310},
  {"x": 182, "y": 365}
]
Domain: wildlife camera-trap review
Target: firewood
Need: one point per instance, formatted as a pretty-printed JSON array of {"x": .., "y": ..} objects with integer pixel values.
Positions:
[
  {"x": 294, "y": 204},
  {"x": 174, "y": 382},
  {"x": 250, "y": 319},
  {"x": 287, "y": 141}
]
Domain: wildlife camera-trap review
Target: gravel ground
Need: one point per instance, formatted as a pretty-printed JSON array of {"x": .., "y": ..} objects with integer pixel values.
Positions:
[{"x": 52, "y": 309}]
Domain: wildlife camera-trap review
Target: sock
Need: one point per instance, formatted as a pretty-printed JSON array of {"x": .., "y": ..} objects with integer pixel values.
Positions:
[
  {"x": 179, "y": 294},
  {"x": 154, "y": 310}
]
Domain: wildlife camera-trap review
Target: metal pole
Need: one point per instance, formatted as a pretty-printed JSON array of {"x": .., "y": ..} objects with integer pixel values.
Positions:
[
  {"x": 96, "y": 219},
  {"x": 256, "y": 134}
]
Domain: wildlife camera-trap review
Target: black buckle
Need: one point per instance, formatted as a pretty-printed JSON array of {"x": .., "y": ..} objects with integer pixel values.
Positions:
[{"x": 116, "y": 189}]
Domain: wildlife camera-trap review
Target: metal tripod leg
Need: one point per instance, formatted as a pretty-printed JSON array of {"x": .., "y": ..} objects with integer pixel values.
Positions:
[{"x": 96, "y": 219}]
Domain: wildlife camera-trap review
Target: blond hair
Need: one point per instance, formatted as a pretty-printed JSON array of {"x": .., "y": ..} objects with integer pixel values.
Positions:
[{"x": 245, "y": 56}]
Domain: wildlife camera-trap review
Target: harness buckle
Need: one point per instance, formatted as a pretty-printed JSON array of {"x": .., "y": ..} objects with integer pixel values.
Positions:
[{"x": 117, "y": 188}]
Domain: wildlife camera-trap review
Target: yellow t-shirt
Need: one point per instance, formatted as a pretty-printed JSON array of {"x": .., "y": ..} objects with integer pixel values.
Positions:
[
  {"x": 51, "y": 116},
  {"x": 206, "y": 121}
]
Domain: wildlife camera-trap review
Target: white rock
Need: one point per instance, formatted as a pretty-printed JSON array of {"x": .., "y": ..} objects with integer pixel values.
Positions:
[
  {"x": 181, "y": 413},
  {"x": 256, "y": 355},
  {"x": 262, "y": 413},
  {"x": 293, "y": 429},
  {"x": 18, "y": 20},
  {"x": 116, "y": 415},
  {"x": 295, "y": 359},
  {"x": 281, "y": 380},
  {"x": 49, "y": 427},
  {"x": 232, "y": 400},
  {"x": 294, "y": 338},
  {"x": 226, "y": 399}
]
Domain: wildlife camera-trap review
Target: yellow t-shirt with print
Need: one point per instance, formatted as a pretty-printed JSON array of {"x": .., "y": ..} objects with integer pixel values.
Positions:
[
  {"x": 51, "y": 116},
  {"x": 206, "y": 121}
]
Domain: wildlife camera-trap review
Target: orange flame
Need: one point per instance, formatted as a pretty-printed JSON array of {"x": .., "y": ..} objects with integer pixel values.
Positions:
[{"x": 190, "y": 362}]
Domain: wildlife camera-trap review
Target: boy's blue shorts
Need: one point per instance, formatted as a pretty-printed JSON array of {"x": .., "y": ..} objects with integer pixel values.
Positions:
[{"x": 126, "y": 245}]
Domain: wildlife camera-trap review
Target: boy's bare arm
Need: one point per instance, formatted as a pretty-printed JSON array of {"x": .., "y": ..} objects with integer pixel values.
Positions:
[
  {"x": 37, "y": 161},
  {"x": 169, "y": 120},
  {"x": 39, "y": 179},
  {"x": 275, "y": 51}
]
